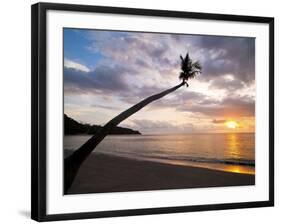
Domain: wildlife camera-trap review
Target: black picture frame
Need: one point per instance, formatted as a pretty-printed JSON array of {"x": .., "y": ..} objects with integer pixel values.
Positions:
[{"x": 39, "y": 122}]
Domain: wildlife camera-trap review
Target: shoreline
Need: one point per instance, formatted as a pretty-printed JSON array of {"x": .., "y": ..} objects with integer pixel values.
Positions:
[{"x": 103, "y": 173}]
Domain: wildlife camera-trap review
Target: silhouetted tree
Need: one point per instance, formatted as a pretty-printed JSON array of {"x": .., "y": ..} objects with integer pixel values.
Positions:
[
  {"x": 72, "y": 163},
  {"x": 189, "y": 69}
]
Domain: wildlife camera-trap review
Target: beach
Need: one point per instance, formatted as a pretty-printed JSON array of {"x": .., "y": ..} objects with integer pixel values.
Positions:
[{"x": 102, "y": 173}]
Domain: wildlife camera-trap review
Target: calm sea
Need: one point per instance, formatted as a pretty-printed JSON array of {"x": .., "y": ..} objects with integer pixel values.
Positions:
[{"x": 229, "y": 152}]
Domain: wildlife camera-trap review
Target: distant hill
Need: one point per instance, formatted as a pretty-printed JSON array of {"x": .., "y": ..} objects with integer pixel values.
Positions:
[{"x": 73, "y": 127}]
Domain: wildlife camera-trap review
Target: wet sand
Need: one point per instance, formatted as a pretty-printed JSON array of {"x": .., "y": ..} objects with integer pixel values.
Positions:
[{"x": 102, "y": 173}]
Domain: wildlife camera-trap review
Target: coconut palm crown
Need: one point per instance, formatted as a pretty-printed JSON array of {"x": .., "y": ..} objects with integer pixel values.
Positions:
[{"x": 189, "y": 69}]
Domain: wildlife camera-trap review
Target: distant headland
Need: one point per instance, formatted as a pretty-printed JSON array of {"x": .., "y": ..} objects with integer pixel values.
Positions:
[{"x": 73, "y": 127}]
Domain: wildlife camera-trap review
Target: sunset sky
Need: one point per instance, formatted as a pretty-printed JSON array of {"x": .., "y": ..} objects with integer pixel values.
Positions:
[{"x": 106, "y": 72}]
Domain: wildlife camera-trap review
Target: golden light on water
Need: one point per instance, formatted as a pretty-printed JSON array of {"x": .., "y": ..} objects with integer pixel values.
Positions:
[
  {"x": 234, "y": 148},
  {"x": 240, "y": 169},
  {"x": 233, "y": 145},
  {"x": 231, "y": 124}
]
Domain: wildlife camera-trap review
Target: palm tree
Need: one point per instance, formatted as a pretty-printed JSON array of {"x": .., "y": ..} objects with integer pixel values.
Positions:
[
  {"x": 189, "y": 69},
  {"x": 72, "y": 163}
]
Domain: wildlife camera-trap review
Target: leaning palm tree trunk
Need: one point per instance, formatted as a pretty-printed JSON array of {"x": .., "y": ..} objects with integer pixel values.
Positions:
[{"x": 73, "y": 162}]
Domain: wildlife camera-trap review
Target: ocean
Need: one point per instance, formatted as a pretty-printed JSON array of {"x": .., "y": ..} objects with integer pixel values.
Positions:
[{"x": 231, "y": 152}]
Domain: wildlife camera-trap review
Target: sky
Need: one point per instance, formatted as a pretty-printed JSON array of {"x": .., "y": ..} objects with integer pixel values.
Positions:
[{"x": 106, "y": 72}]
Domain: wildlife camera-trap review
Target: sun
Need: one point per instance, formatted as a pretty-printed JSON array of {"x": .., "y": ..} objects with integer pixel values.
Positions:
[{"x": 231, "y": 124}]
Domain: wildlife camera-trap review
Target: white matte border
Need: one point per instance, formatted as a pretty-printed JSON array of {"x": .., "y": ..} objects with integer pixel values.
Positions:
[{"x": 57, "y": 203}]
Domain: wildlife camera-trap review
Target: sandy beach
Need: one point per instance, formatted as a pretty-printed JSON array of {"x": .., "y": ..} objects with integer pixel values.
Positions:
[{"x": 102, "y": 173}]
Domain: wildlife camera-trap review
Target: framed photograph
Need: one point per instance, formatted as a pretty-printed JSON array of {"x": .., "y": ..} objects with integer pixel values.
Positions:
[{"x": 139, "y": 111}]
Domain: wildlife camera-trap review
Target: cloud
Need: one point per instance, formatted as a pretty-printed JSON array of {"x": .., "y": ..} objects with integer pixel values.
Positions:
[
  {"x": 108, "y": 107},
  {"x": 224, "y": 55},
  {"x": 147, "y": 124},
  {"x": 75, "y": 65},
  {"x": 160, "y": 126},
  {"x": 229, "y": 107},
  {"x": 179, "y": 99},
  {"x": 215, "y": 121},
  {"x": 225, "y": 82},
  {"x": 102, "y": 79},
  {"x": 141, "y": 50}
]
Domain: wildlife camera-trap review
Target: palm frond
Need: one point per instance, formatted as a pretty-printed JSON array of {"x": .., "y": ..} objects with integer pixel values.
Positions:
[
  {"x": 189, "y": 69},
  {"x": 181, "y": 58},
  {"x": 197, "y": 65}
]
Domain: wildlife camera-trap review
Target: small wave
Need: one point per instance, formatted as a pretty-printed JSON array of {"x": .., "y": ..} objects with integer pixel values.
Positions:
[
  {"x": 183, "y": 159},
  {"x": 230, "y": 161}
]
